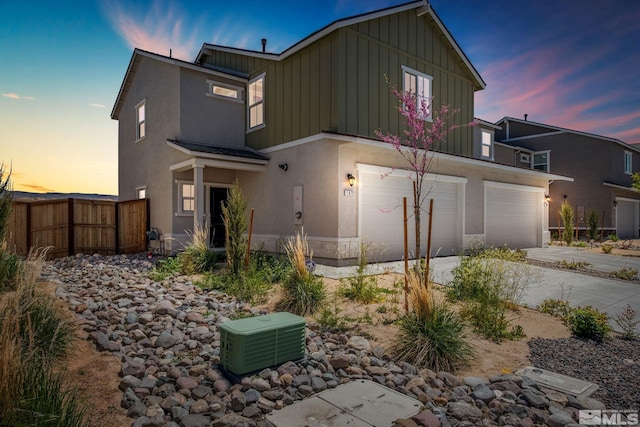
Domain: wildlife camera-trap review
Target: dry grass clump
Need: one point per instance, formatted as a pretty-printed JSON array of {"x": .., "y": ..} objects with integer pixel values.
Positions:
[
  {"x": 35, "y": 334},
  {"x": 302, "y": 292}
]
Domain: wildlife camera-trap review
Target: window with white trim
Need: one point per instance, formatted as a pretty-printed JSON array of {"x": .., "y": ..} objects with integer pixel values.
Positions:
[
  {"x": 141, "y": 120},
  {"x": 525, "y": 158},
  {"x": 141, "y": 192},
  {"x": 628, "y": 162},
  {"x": 217, "y": 89},
  {"x": 187, "y": 198},
  {"x": 486, "y": 150},
  {"x": 540, "y": 161},
  {"x": 255, "y": 104},
  {"x": 420, "y": 85}
]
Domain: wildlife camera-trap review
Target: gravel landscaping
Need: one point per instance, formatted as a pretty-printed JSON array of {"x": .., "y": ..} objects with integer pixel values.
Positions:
[{"x": 166, "y": 335}]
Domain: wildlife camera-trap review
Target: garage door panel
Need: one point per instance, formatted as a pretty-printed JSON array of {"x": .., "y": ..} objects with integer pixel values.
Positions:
[
  {"x": 382, "y": 215},
  {"x": 626, "y": 219},
  {"x": 513, "y": 218}
]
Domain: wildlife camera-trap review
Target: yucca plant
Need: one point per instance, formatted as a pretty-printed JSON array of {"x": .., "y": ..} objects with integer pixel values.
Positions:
[
  {"x": 431, "y": 335},
  {"x": 302, "y": 292}
]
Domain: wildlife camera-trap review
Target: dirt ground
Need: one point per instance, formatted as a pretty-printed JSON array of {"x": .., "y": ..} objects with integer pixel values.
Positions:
[{"x": 96, "y": 374}]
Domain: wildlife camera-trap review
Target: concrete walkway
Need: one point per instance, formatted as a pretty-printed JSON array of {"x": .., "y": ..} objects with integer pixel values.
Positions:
[{"x": 608, "y": 295}]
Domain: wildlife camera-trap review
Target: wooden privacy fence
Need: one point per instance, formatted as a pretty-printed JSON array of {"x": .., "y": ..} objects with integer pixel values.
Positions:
[{"x": 72, "y": 226}]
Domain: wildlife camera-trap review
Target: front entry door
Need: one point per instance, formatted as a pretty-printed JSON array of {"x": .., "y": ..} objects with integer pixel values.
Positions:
[{"x": 216, "y": 231}]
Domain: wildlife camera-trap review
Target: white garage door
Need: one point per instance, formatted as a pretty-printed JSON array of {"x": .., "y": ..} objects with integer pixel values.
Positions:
[
  {"x": 513, "y": 216},
  {"x": 626, "y": 213},
  {"x": 381, "y": 214}
]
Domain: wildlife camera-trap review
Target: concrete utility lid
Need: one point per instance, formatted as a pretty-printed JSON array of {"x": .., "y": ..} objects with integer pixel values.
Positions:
[
  {"x": 361, "y": 403},
  {"x": 559, "y": 382}
]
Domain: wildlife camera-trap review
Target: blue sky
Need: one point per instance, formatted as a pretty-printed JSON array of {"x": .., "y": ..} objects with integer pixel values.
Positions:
[{"x": 569, "y": 63}]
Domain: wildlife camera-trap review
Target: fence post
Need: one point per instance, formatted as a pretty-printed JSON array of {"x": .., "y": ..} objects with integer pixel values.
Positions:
[
  {"x": 28, "y": 221},
  {"x": 116, "y": 206},
  {"x": 71, "y": 225}
]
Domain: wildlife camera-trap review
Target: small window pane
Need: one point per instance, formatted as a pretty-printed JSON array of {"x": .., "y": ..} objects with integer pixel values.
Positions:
[
  {"x": 140, "y": 113},
  {"x": 187, "y": 190},
  {"x": 187, "y": 205},
  {"x": 256, "y": 116},
  {"x": 223, "y": 91}
]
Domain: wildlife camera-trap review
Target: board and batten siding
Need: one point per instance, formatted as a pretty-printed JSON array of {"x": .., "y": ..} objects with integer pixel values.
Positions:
[{"x": 337, "y": 83}]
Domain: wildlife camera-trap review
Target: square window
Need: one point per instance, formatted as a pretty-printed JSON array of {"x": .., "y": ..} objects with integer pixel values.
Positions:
[{"x": 541, "y": 161}]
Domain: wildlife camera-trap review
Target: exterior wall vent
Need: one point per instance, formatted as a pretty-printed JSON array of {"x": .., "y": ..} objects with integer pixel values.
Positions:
[{"x": 255, "y": 343}]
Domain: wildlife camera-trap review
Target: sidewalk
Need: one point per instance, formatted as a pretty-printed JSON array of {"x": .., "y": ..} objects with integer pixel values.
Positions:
[{"x": 608, "y": 295}]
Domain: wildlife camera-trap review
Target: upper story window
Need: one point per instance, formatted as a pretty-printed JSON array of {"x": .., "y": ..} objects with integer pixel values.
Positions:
[
  {"x": 141, "y": 121},
  {"x": 540, "y": 161},
  {"x": 420, "y": 85},
  {"x": 628, "y": 162},
  {"x": 217, "y": 89},
  {"x": 255, "y": 102},
  {"x": 487, "y": 145},
  {"x": 187, "y": 197}
]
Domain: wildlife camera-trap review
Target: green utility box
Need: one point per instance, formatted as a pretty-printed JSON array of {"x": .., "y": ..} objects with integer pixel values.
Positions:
[{"x": 255, "y": 343}]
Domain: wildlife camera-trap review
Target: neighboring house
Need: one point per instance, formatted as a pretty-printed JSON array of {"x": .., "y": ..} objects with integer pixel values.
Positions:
[
  {"x": 290, "y": 128},
  {"x": 601, "y": 167}
]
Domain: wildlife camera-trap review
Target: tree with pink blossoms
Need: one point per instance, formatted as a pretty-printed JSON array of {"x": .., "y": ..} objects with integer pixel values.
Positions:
[{"x": 424, "y": 129}]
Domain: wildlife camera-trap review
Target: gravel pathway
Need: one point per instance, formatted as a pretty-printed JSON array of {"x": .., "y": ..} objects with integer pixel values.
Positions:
[{"x": 614, "y": 365}]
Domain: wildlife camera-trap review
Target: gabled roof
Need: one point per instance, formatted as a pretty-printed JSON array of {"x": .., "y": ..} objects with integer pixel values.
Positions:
[
  {"x": 560, "y": 130},
  {"x": 423, "y": 8},
  {"x": 137, "y": 56}
]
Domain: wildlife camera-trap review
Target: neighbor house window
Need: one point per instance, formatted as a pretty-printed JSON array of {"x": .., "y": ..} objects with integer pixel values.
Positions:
[
  {"x": 541, "y": 161},
  {"x": 487, "y": 145},
  {"x": 217, "y": 89},
  {"x": 420, "y": 85},
  {"x": 141, "y": 121},
  {"x": 256, "y": 102},
  {"x": 141, "y": 192},
  {"x": 187, "y": 197},
  {"x": 628, "y": 162},
  {"x": 525, "y": 158}
]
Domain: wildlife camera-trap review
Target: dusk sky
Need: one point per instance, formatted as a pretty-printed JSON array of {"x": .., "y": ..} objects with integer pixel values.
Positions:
[{"x": 568, "y": 63}]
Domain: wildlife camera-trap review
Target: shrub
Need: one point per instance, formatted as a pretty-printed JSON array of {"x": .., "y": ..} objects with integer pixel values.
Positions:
[
  {"x": 235, "y": 226},
  {"x": 165, "y": 268},
  {"x": 607, "y": 249},
  {"x": 625, "y": 273},
  {"x": 361, "y": 287},
  {"x": 330, "y": 318},
  {"x": 432, "y": 335},
  {"x": 572, "y": 265},
  {"x": 566, "y": 213},
  {"x": 628, "y": 322},
  {"x": 592, "y": 224},
  {"x": 588, "y": 322},
  {"x": 302, "y": 292},
  {"x": 10, "y": 264},
  {"x": 555, "y": 307},
  {"x": 489, "y": 283},
  {"x": 613, "y": 237},
  {"x": 6, "y": 200}
]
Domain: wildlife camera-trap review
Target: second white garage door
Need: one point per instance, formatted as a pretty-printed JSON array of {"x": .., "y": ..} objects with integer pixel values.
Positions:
[
  {"x": 381, "y": 212},
  {"x": 513, "y": 215}
]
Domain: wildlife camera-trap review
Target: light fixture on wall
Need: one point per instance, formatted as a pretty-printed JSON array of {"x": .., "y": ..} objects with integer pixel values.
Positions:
[
  {"x": 351, "y": 179},
  {"x": 283, "y": 166},
  {"x": 615, "y": 204},
  {"x": 547, "y": 199}
]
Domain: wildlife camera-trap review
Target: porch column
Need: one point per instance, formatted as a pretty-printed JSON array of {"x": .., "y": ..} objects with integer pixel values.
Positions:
[{"x": 198, "y": 187}]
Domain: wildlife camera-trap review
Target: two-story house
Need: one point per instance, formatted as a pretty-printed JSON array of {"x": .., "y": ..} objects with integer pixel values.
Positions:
[
  {"x": 601, "y": 167},
  {"x": 296, "y": 130}
]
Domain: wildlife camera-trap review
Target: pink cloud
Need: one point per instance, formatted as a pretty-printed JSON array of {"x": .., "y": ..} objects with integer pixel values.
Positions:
[
  {"x": 11, "y": 95},
  {"x": 159, "y": 29}
]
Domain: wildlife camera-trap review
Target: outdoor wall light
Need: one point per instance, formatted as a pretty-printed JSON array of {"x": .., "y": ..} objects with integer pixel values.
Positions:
[
  {"x": 351, "y": 178},
  {"x": 615, "y": 204},
  {"x": 283, "y": 166},
  {"x": 547, "y": 199}
]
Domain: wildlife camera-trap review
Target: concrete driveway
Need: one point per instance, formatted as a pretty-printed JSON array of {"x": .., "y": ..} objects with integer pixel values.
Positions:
[{"x": 608, "y": 295}]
